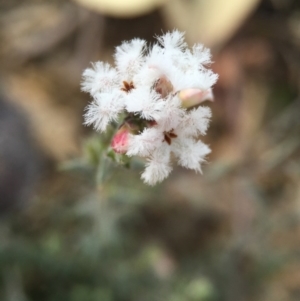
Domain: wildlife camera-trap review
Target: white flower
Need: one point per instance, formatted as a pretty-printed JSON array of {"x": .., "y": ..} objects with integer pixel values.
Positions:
[
  {"x": 129, "y": 58},
  {"x": 157, "y": 145},
  {"x": 157, "y": 167},
  {"x": 159, "y": 91},
  {"x": 104, "y": 109},
  {"x": 101, "y": 78}
]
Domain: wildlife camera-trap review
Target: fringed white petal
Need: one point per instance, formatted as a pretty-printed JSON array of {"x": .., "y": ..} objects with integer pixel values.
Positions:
[
  {"x": 146, "y": 103},
  {"x": 201, "y": 55},
  {"x": 195, "y": 122},
  {"x": 173, "y": 40},
  {"x": 172, "y": 115},
  {"x": 145, "y": 143},
  {"x": 104, "y": 109},
  {"x": 158, "y": 167},
  {"x": 129, "y": 57},
  {"x": 100, "y": 78},
  {"x": 191, "y": 153}
]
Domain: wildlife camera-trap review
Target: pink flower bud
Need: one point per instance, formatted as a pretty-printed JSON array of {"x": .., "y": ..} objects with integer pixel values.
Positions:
[
  {"x": 193, "y": 97},
  {"x": 119, "y": 142}
]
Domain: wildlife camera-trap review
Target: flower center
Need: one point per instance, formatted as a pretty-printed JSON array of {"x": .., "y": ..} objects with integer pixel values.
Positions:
[
  {"x": 169, "y": 135},
  {"x": 127, "y": 86}
]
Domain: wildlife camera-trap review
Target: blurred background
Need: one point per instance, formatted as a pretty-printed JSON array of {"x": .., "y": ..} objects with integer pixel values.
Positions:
[{"x": 231, "y": 234}]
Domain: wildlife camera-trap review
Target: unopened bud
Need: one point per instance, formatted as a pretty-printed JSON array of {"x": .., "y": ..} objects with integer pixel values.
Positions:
[
  {"x": 119, "y": 142},
  {"x": 163, "y": 86},
  {"x": 193, "y": 97}
]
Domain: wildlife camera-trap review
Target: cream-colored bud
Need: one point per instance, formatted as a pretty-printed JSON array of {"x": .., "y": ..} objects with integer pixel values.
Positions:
[{"x": 194, "y": 97}]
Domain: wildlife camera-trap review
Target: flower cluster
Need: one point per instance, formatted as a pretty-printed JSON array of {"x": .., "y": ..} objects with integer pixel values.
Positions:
[{"x": 159, "y": 90}]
